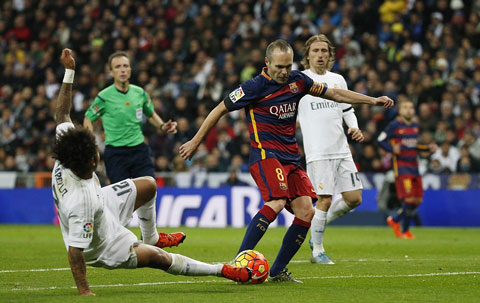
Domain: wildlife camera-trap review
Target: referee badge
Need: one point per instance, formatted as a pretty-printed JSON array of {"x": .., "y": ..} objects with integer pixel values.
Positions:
[{"x": 139, "y": 113}]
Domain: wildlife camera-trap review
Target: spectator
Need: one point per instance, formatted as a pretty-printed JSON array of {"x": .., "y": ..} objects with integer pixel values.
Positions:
[
  {"x": 466, "y": 164},
  {"x": 233, "y": 179},
  {"x": 447, "y": 155},
  {"x": 472, "y": 144}
]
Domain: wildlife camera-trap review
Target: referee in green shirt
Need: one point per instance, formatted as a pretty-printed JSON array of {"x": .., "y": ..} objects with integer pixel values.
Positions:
[{"x": 122, "y": 106}]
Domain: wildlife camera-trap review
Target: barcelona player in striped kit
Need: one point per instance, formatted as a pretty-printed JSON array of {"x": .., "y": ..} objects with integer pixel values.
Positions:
[
  {"x": 271, "y": 101},
  {"x": 400, "y": 137}
]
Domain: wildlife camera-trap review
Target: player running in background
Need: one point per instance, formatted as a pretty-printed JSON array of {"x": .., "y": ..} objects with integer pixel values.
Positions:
[
  {"x": 270, "y": 101},
  {"x": 330, "y": 164},
  {"x": 400, "y": 138},
  {"x": 92, "y": 218}
]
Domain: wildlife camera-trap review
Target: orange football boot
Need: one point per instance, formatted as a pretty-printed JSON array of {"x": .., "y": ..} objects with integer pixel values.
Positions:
[
  {"x": 237, "y": 274},
  {"x": 407, "y": 235},
  {"x": 395, "y": 226},
  {"x": 169, "y": 240}
]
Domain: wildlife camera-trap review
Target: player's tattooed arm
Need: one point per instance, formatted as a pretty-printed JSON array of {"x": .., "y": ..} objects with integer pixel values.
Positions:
[
  {"x": 64, "y": 100},
  {"x": 79, "y": 270}
]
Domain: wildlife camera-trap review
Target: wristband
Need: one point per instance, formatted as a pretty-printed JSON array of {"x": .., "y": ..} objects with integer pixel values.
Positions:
[{"x": 68, "y": 78}]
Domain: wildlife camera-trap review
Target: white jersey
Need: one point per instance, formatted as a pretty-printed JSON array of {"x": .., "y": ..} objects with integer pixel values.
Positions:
[
  {"x": 85, "y": 221},
  {"x": 321, "y": 121}
]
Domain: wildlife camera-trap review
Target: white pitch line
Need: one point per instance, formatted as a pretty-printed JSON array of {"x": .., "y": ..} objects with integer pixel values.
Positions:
[
  {"x": 435, "y": 274},
  {"x": 215, "y": 281},
  {"x": 121, "y": 285},
  {"x": 33, "y": 270},
  {"x": 386, "y": 260},
  {"x": 293, "y": 261}
]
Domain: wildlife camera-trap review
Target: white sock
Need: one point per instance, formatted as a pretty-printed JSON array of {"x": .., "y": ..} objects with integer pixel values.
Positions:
[
  {"x": 147, "y": 221},
  {"x": 337, "y": 209},
  {"x": 317, "y": 230},
  {"x": 186, "y": 266}
]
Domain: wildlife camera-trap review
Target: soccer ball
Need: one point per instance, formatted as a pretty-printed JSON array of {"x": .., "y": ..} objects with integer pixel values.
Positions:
[{"x": 255, "y": 261}]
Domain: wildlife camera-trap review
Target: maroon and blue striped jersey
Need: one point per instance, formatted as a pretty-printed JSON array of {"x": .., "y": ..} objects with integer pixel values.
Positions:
[
  {"x": 406, "y": 135},
  {"x": 271, "y": 110}
]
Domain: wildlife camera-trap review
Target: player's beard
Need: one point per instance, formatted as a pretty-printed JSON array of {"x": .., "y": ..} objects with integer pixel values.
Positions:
[
  {"x": 320, "y": 70},
  {"x": 407, "y": 119}
]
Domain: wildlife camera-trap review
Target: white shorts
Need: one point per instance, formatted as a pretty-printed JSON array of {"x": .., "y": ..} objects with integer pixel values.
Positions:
[
  {"x": 120, "y": 199},
  {"x": 120, "y": 251},
  {"x": 334, "y": 176},
  {"x": 124, "y": 257}
]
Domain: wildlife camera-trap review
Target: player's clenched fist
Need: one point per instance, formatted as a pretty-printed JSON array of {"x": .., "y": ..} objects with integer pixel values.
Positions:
[{"x": 67, "y": 58}]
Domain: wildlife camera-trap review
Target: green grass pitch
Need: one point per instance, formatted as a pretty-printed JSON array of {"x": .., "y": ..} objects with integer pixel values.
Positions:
[{"x": 441, "y": 265}]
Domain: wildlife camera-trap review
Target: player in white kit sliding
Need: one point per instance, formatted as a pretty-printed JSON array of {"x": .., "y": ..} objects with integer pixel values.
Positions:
[
  {"x": 92, "y": 218},
  {"x": 330, "y": 165}
]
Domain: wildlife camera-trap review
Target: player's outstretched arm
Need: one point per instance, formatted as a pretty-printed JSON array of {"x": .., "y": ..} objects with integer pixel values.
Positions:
[
  {"x": 188, "y": 149},
  {"x": 348, "y": 96},
  {"x": 79, "y": 270},
  {"x": 64, "y": 100}
]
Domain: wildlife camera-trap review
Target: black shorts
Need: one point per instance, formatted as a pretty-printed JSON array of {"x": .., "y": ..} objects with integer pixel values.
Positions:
[{"x": 128, "y": 162}]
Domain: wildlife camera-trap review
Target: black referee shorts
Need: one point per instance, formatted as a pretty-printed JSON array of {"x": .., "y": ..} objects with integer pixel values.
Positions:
[{"x": 128, "y": 162}]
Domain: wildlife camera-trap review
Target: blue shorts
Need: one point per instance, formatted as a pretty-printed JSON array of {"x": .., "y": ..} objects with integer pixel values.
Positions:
[{"x": 128, "y": 162}]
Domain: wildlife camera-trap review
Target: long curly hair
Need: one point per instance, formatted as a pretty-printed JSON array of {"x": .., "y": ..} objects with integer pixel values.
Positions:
[{"x": 76, "y": 148}]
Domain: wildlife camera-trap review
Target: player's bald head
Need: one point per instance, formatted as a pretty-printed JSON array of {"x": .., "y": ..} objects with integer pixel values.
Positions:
[{"x": 280, "y": 45}]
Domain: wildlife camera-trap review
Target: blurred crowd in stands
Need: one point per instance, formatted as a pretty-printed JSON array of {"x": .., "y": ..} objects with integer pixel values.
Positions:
[{"x": 189, "y": 55}]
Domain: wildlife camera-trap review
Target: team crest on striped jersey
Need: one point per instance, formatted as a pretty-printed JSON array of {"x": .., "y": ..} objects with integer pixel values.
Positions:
[
  {"x": 293, "y": 87},
  {"x": 283, "y": 185},
  {"x": 236, "y": 95}
]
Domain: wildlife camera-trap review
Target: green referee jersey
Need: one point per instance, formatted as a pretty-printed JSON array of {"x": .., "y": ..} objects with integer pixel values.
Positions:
[{"x": 122, "y": 114}]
